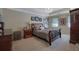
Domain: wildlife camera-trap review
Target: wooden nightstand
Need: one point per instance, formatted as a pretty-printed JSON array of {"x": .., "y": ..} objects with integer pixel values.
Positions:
[{"x": 27, "y": 33}]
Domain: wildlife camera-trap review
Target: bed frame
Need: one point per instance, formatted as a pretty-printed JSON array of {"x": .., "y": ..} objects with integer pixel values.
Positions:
[
  {"x": 49, "y": 34},
  {"x": 50, "y": 40}
]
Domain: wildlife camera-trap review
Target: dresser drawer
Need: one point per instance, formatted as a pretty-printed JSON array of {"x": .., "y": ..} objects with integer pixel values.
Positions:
[{"x": 6, "y": 43}]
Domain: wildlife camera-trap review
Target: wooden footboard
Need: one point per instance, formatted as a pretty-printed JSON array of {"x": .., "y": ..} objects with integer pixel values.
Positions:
[
  {"x": 60, "y": 33},
  {"x": 50, "y": 38}
]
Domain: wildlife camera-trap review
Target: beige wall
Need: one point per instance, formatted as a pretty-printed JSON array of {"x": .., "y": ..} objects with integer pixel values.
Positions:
[
  {"x": 0, "y": 14},
  {"x": 15, "y": 20},
  {"x": 0, "y": 10},
  {"x": 64, "y": 29}
]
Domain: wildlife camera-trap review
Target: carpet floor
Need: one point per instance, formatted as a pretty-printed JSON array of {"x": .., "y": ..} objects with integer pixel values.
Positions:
[{"x": 37, "y": 44}]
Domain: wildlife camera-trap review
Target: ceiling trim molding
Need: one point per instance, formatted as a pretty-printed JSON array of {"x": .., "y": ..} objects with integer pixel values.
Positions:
[
  {"x": 29, "y": 12},
  {"x": 62, "y": 11},
  {"x": 57, "y": 12}
]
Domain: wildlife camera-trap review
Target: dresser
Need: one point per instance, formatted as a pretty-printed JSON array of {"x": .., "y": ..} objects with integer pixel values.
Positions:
[
  {"x": 74, "y": 30},
  {"x": 6, "y": 43},
  {"x": 5, "y": 39}
]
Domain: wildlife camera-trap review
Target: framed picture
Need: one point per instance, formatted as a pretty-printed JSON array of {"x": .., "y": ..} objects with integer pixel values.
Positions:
[
  {"x": 62, "y": 21},
  {"x": 32, "y": 18},
  {"x": 36, "y": 19},
  {"x": 40, "y": 19}
]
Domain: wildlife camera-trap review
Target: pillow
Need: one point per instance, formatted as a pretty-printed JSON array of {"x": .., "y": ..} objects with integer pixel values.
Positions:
[
  {"x": 0, "y": 25},
  {"x": 37, "y": 26},
  {"x": 41, "y": 28},
  {"x": 0, "y": 30}
]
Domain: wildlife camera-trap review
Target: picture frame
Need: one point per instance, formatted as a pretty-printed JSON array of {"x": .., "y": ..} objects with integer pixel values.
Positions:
[
  {"x": 32, "y": 18},
  {"x": 62, "y": 21},
  {"x": 36, "y": 19},
  {"x": 40, "y": 19}
]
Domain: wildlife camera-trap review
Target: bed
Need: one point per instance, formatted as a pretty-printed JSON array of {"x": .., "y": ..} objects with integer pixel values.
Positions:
[{"x": 47, "y": 34}]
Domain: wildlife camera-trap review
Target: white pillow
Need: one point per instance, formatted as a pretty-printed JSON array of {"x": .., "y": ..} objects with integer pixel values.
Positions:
[{"x": 42, "y": 28}]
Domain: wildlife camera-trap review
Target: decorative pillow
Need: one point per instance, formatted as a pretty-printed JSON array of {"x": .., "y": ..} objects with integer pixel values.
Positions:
[
  {"x": 0, "y": 30},
  {"x": 38, "y": 26},
  {"x": 42, "y": 28},
  {"x": 0, "y": 25}
]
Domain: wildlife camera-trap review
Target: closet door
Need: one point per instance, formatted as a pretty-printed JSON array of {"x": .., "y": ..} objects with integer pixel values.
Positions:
[{"x": 74, "y": 31}]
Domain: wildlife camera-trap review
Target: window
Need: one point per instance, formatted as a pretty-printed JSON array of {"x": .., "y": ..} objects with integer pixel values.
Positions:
[{"x": 55, "y": 22}]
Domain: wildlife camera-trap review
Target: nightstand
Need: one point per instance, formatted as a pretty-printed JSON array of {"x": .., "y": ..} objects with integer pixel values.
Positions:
[{"x": 27, "y": 33}]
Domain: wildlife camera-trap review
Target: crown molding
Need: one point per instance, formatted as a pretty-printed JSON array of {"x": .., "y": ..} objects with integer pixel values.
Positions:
[
  {"x": 60, "y": 12},
  {"x": 29, "y": 12},
  {"x": 33, "y": 13}
]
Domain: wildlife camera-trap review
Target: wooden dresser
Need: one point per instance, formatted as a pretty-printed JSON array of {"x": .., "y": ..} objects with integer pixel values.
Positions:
[
  {"x": 6, "y": 43},
  {"x": 74, "y": 31},
  {"x": 27, "y": 33},
  {"x": 5, "y": 40}
]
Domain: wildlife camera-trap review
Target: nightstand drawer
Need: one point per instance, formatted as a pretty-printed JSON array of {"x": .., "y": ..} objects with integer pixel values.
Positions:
[{"x": 27, "y": 33}]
